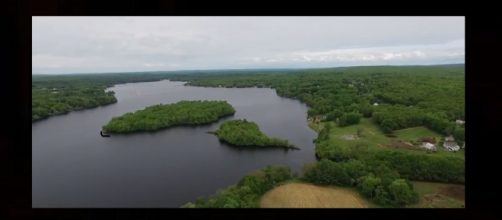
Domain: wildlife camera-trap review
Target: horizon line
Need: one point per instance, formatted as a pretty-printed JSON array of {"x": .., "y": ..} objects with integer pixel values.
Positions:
[{"x": 240, "y": 69}]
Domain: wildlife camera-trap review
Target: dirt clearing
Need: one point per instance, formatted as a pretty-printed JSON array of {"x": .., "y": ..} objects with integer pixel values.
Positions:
[{"x": 302, "y": 195}]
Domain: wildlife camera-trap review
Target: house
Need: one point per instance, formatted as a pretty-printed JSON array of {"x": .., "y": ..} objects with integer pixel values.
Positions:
[
  {"x": 451, "y": 146},
  {"x": 429, "y": 146},
  {"x": 459, "y": 122}
]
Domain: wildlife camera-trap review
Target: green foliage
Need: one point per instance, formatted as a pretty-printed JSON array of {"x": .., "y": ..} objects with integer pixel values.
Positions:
[
  {"x": 402, "y": 193},
  {"x": 328, "y": 172},
  {"x": 408, "y": 96},
  {"x": 350, "y": 118},
  {"x": 246, "y": 133},
  {"x": 324, "y": 133},
  {"x": 48, "y": 101},
  {"x": 333, "y": 115},
  {"x": 433, "y": 96},
  {"x": 414, "y": 166},
  {"x": 368, "y": 185},
  {"x": 163, "y": 116},
  {"x": 59, "y": 94},
  {"x": 380, "y": 183},
  {"x": 459, "y": 134},
  {"x": 366, "y": 110},
  {"x": 247, "y": 192}
]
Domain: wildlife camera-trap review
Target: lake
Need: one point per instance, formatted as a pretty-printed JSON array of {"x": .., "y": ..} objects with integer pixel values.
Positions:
[{"x": 73, "y": 166}]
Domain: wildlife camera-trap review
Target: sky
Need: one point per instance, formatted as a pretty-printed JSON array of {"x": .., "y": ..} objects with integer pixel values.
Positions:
[{"x": 63, "y": 45}]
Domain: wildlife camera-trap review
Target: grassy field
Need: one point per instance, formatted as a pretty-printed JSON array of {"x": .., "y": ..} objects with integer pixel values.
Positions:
[
  {"x": 439, "y": 195},
  {"x": 369, "y": 134},
  {"x": 302, "y": 195},
  {"x": 411, "y": 134}
]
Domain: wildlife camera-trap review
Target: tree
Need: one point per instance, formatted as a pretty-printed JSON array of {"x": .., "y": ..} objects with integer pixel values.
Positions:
[
  {"x": 333, "y": 115},
  {"x": 349, "y": 119},
  {"x": 369, "y": 185},
  {"x": 402, "y": 194},
  {"x": 459, "y": 134},
  {"x": 366, "y": 110}
]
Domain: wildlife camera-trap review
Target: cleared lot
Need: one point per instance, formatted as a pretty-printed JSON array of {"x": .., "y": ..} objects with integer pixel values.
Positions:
[{"x": 302, "y": 195}]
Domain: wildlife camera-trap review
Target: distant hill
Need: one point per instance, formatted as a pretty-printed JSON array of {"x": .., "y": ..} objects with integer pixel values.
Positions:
[{"x": 248, "y": 71}]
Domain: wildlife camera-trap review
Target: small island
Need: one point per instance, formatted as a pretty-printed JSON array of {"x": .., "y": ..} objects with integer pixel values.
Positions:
[
  {"x": 161, "y": 116},
  {"x": 247, "y": 134}
]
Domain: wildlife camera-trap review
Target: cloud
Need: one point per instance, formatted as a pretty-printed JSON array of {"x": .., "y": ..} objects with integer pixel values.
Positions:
[
  {"x": 101, "y": 44},
  {"x": 450, "y": 52}
]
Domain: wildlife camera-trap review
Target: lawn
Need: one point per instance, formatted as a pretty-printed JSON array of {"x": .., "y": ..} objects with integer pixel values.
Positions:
[
  {"x": 439, "y": 195},
  {"x": 370, "y": 134},
  {"x": 412, "y": 134},
  {"x": 303, "y": 195}
]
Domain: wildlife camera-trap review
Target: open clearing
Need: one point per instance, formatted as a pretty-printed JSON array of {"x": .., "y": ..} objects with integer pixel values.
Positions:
[
  {"x": 414, "y": 133},
  {"x": 439, "y": 195},
  {"x": 302, "y": 195}
]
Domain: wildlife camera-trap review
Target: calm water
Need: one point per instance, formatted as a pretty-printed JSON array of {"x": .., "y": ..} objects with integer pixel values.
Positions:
[{"x": 73, "y": 166}]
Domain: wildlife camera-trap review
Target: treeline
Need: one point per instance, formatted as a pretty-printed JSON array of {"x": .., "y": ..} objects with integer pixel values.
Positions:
[
  {"x": 246, "y": 133},
  {"x": 48, "y": 101},
  {"x": 437, "y": 168},
  {"x": 247, "y": 193},
  {"x": 377, "y": 182},
  {"x": 163, "y": 116}
]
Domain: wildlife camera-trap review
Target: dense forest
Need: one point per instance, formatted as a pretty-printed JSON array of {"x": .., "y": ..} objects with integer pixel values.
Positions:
[
  {"x": 163, "y": 116},
  {"x": 397, "y": 96},
  {"x": 247, "y": 134},
  {"x": 48, "y": 101},
  {"x": 59, "y": 94}
]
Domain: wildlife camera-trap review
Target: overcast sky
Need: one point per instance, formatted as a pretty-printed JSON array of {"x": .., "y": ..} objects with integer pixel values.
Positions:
[{"x": 126, "y": 44}]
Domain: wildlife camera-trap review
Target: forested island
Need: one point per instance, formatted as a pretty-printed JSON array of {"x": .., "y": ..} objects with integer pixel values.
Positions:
[
  {"x": 163, "y": 116},
  {"x": 247, "y": 134}
]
